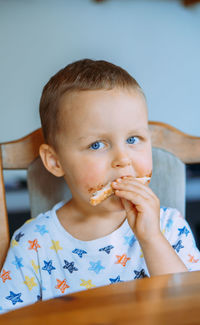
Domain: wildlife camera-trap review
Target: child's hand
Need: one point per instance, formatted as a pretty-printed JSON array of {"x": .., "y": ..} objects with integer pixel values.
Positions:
[{"x": 142, "y": 207}]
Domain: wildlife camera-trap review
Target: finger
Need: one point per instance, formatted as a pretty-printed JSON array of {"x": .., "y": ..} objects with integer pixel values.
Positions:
[
  {"x": 128, "y": 206},
  {"x": 133, "y": 180},
  {"x": 142, "y": 180},
  {"x": 137, "y": 200},
  {"x": 130, "y": 211},
  {"x": 133, "y": 197},
  {"x": 129, "y": 187},
  {"x": 132, "y": 185}
]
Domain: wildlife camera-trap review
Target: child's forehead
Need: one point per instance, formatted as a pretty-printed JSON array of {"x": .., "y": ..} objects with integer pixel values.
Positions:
[
  {"x": 103, "y": 108},
  {"x": 76, "y": 101}
]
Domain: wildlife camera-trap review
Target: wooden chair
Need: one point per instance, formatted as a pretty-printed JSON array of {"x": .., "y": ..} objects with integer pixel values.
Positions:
[{"x": 172, "y": 149}]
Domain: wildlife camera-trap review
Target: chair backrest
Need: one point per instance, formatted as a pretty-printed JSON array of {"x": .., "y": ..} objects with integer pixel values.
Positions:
[{"x": 172, "y": 149}]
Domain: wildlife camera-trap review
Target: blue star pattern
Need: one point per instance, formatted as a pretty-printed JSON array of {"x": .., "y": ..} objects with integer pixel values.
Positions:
[
  {"x": 18, "y": 236},
  {"x": 115, "y": 280},
  {"x": 41, "y": 229},
  {"x": 169, "y": 224},
  {"x": 48, "y": 266},
  {"x": 18, "y": 262},
  {"x": 39, "y": 297},
  {"x": 96, "y": 267},
  {"x": 79, "y": 252},
  {"x": 182, "y": 231},
  {"x": 178, "y": 246},
  {"x": 14, "y": 297},
  {"x": 164, "y": 208},
  {"x": 140, "y": 274},
  {"x": 106, "y": 249},
  {"x": 69, "y": 266},
  {"x": 130, "y": 240},
  {"x": 80, "y": 265}
]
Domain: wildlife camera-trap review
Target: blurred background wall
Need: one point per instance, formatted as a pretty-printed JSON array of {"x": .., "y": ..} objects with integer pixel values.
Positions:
[{"x": 157, "y": 41}]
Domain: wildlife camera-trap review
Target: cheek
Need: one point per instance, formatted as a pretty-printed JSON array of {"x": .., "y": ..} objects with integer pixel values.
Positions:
[
  {"x": 90, "y": 175},
  {"x": 143, "y": 165}
]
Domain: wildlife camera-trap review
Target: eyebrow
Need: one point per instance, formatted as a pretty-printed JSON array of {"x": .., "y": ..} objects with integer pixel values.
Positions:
[
  {"x": 99, "y": 135},
  {"x": 87, "y": 137}
]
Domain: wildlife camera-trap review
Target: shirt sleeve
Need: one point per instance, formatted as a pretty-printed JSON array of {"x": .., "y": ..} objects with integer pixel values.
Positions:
[
  {"x": 20, "y": 275},
  {"x": 178, "y": 232}
]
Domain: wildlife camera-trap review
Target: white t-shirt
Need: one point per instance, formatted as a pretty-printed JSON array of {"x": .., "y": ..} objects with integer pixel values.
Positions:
[{"x": 45, "y": 261}]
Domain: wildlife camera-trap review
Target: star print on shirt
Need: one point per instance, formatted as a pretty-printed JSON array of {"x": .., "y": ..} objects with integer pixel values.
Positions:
[
  {"x": 41, "y": 229},
  {"x": 130, "y": 240},
  {"x": 178, "y": 246},
  {"x": 141, "y": 253},
  {"x": 122, "y": 259},
  {"x": 61, "y": 285},
  {"x": 14, "y": 297},
  {"x": 18, "y": 262},
  {"x": 14, "y": 243},
  {"x": 183, "y": 231},
  {"x": 19, "y": 236},
  {"x": 116, "y": 280},
  {"x": 140, "y": 274},
  {"x": 48, "y": 266},
  {"x": 56, "y": 245},
  {"x": 39, "y": 297},
  {"x": 30, "y": 282},
  {"x": 79, "y": 252},
  {"x": 5, "y": 275},
  {"x": 87, "y": 284},
  {"x": 69, "y": 266},
  {"x": 106, "y": 249},
  {"x": 192, "y": 259},
  {"x": 35, "y": 266},
  {"x": 96, "y": 267},
  {"x": 29, "y": 220},
  {"x": 163, "y": 231},
  {"x": 34, "y": 244},
  {"x": 169, "y": 224}
]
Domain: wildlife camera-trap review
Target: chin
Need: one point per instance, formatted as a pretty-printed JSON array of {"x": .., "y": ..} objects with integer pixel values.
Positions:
[{"x": 112, "y": 204}]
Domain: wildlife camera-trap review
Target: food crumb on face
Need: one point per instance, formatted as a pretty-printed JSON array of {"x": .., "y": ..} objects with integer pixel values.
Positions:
[{"x": 95, "y": 189}]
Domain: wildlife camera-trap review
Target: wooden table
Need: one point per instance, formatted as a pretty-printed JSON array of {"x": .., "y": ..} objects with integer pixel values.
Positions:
[{"x": 169, "y": 299}]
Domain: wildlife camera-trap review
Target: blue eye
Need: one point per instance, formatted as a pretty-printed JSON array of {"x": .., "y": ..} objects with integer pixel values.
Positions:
[
  {"x": 132, "y": 140},
  {"x": 96, "y": 145}
]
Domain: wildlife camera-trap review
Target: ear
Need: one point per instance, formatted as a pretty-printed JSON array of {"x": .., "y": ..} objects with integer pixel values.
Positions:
[{"x": 50, "y": 160}]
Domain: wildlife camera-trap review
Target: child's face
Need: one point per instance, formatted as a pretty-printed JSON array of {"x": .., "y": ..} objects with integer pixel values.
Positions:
[{"x": 104, "y": 135}]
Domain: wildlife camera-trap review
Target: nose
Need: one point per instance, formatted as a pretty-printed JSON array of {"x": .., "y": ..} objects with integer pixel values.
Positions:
[{"x": 121, "y": 160}]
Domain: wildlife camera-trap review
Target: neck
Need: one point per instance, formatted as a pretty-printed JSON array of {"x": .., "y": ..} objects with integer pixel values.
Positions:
[
  {"x": 88, "y": 224},
  {"x": 85, "y": 212}
]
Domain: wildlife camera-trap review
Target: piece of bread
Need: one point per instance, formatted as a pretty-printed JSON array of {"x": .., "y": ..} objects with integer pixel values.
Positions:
[
  {"x": 107, "y": 191},
  {"x": 102, "y": 194}
]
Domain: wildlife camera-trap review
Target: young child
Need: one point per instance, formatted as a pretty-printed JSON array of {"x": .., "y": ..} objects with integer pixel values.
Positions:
[{"x": 95, "y": 124}]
